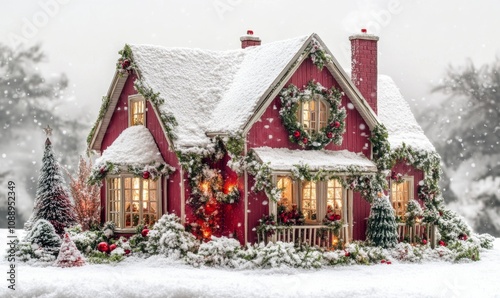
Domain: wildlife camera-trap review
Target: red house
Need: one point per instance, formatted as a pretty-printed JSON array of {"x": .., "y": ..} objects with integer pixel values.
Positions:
[{"x": 224, "y": 138}]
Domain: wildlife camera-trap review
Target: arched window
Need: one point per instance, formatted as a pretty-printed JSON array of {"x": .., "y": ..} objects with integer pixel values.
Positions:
[{"x": 313, "y": 114}]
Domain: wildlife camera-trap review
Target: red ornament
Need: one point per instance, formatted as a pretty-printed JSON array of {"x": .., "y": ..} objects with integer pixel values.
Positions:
[
  {"x": 347, "y": 254},
  {"x": 102, "y": 170},
  {"x": 382, "y": 261},
  {"x": 329, "y": 135},
  {"x": 112, "y": 247},
  {"x": 424, "y": 242},
  {"x": 336, "y": 217},
  {"x": 296, "y": 134},
  {"x": 442, "y": 243},
  {"x": 336, "y": 124},
  {"x": 388, "y": 262},
  {"x": 394, "y": 176},
  {"x": 125, "y": 64},
  {"x": 305, "y": 140},
  {"x": 462, "y": 237},
  {"x": 127, "y": 251},
  {"x": 146, "y": 175},
  {"x": 103, "y": 247},
  {"x": 145, "y": 232}
]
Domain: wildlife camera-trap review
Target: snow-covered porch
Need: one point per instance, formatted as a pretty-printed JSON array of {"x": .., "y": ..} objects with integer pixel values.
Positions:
[{"x": 325, "y": 205}]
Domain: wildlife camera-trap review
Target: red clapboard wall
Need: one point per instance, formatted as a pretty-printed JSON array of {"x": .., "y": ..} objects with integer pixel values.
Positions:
[{"x": 269, "y": 131}]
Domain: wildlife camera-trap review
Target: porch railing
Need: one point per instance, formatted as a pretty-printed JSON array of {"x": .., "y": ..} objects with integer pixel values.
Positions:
[
  {"x": 416, "y": 233},
  {"x": 313, "y": 235}
]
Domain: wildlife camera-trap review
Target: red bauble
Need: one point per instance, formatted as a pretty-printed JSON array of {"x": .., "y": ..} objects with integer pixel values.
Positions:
[
  {"x": 112, "y": 247},
  {"x": 127, "y": 251},
  {"x": 336, "y": 124},
  {"x": 103, "y": 247},
  {"x": 394, "y": 176},
  {"x": 442, "y": 243},
  {"x": 305, "y": 140},
  {"x": 347, "y": 254},
  {"x": 329, "y": 135},
  {"x": 388, "y": 262},
  {"x": 336, "y": 217},
  {"x": 125, "y": 64},
  {"x": 296, "y": 133},
  {"x": 146, "y": 175},
  {"x": 382, "y": 261},
  {"x": 145, "y": 232},
  {"x": 424, "y": 242}
]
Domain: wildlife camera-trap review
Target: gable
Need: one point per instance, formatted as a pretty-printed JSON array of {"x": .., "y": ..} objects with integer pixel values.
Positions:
[{"x": 269, "y": 131}]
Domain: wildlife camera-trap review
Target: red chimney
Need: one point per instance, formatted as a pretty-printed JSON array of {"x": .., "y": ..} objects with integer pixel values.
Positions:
[
  {"x": 249, "y": 40},
  {"x": 364, "y": 65}
]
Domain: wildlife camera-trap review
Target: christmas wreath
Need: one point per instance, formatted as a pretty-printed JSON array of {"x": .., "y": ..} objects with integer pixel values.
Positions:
[{"x": 292, "y": 98}]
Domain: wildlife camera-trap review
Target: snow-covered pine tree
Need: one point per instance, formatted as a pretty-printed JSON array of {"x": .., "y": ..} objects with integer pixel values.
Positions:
[
  {"x": 44, "y": 236},
  {"x": 52, "y": 202},
  {"x": 69, "y": 255},
  {"x": 413, "y": 212},
  {"x": 382, "y": 226}
]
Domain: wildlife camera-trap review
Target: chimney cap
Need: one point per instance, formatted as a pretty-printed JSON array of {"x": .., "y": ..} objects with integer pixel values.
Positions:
[
  {"x": 364, "y": 35},
  {"x": 249, "y": 32}
]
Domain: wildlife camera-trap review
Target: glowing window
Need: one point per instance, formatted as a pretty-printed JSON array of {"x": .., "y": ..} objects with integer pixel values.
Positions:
[
  {"x": 286, "y": 184},
  {"x": 309, "y": 200},
  {"x": 401, "y": 193},
  {"x": 133, "y": 201},
  {"x": 334, "y": 196},
  {"x": 313, "y": 115},
  {"x": 136, "y": 111}
]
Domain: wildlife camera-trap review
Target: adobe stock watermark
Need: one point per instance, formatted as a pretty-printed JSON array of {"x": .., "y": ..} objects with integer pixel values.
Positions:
[
  {"x": 374, "y": 20},
  {"x": 224, "y": 6},
  {"x": 32, "y": 25}
]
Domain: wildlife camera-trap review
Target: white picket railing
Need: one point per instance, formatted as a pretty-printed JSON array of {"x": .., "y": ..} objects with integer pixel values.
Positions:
[
  {"x": 416, "y": 233},
  {"x": 312, "y": 235}
]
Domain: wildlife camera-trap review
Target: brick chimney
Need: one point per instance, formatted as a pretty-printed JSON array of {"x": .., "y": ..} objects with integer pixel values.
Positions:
[
  {"x": 364, "y": 65},
  {"x": 249, "y": 40}
]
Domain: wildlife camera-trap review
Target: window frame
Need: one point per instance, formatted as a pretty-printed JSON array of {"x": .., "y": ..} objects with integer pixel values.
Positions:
[
  {"x": 131, "y": 100},
  {"x": 410, "y": 180},
  {"x": 321, "y": 201},
  {"x": 122, "y": 213},
  {"x": 318, "y": 101}
]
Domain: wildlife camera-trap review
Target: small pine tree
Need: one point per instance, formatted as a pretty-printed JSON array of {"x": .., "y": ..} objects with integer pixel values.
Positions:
[
  {"x": 382, "y": 227},
  {"x": 44, "y": 236},
  {"x": 69, "y": 255},
  {"x": 86, "y": 196},
  {"x": 52, "y": 202},
  {"x": 413, "y": 211}
]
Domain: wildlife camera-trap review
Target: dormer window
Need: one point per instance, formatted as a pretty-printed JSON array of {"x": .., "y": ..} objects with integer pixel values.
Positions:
[
  {"x": 313, "y": 114},
  {"x": 137, "y": 114}
]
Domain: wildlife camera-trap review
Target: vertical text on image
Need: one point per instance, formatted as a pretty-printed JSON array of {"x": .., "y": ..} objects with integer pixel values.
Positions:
[{"x": 11, "y": 234}]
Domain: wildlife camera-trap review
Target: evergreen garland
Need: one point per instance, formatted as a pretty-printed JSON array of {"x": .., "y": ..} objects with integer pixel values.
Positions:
[{"x": 291, "y": 99}]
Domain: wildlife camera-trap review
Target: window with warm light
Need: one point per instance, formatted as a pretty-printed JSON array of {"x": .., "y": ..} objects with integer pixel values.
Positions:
[
  {"x": 286, "y": 185},
  {"x": 309, "y": 200},
  {"x": 132, "y": 201},
  {"x": 313, "y": 115},
  {"x": 137, "y": 114},
  {"x": 401, "y": 194},
  {"x": 334, "y": 196}
]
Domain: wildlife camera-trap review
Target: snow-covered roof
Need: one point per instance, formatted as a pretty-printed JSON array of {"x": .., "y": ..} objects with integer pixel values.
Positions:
[
  {"x": 283, "y": 159},
  {"x": 395, "y": 113},
  {"x": 135, "y": 146},
  {"x": 212, "y": 91}
]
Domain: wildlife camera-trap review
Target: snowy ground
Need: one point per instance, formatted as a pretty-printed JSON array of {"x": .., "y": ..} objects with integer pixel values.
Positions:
[{"x": 158, "y": 278}]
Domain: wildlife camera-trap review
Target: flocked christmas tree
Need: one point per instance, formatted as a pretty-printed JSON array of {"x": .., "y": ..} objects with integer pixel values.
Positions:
[
  {"x": 69, "y": 255},
  {"x": 382, "y": 226},
  {"x": 43, "y": 236},
  {"x": 52, "y": 202}
]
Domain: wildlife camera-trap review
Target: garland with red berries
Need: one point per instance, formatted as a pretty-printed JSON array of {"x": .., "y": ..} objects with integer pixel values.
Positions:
[{"x": 291, "y": 100}]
